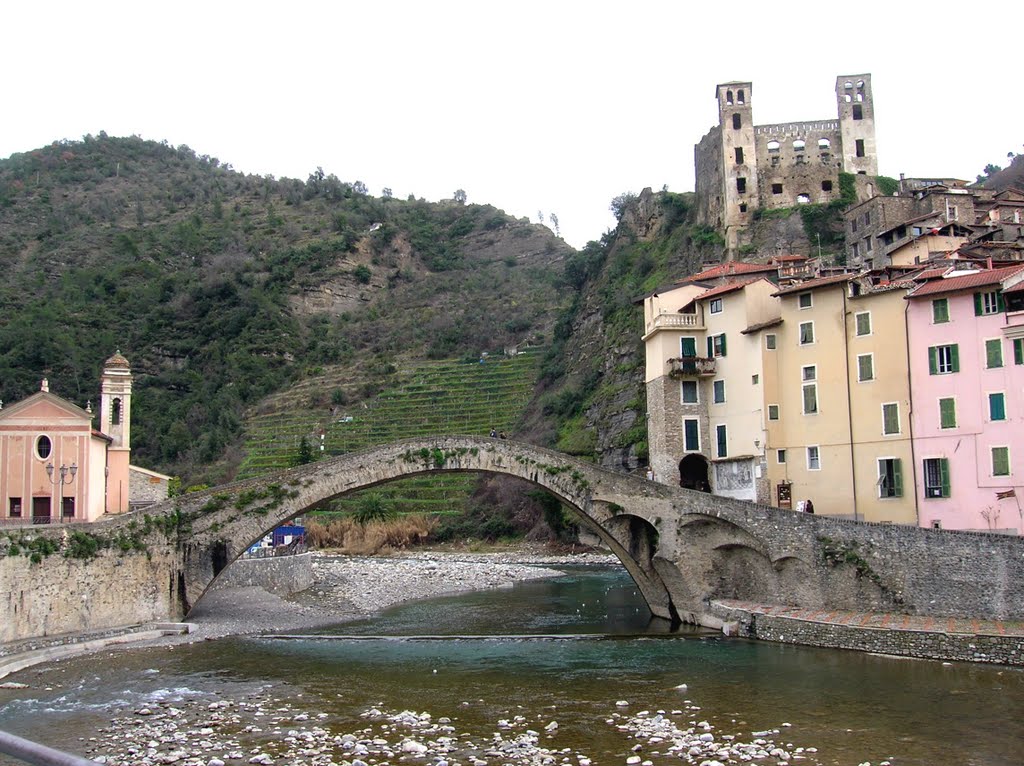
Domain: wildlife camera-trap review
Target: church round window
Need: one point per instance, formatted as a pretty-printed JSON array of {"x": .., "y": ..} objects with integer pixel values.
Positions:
[{"x": 43, "y": 447}]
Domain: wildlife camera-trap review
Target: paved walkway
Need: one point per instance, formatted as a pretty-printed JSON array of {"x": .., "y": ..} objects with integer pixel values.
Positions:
[{"x": 952, "y": 625}]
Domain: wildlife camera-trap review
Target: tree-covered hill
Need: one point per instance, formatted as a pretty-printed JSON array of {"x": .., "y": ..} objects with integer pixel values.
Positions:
[{"x": 222, "y": 288}]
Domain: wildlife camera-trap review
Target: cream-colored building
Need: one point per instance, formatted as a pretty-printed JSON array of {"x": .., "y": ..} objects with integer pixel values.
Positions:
[{"x": 705, "y": 386}]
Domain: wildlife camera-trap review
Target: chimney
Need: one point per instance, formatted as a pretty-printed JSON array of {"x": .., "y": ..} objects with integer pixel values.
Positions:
[{"x": 45, "y": 385}]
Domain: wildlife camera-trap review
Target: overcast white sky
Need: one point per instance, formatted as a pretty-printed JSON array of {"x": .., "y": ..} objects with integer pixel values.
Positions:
[{"x": 529, "y": 106}]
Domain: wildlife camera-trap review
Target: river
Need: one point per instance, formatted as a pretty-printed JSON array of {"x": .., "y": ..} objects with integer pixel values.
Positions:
[{"x": 578, "y": 660}]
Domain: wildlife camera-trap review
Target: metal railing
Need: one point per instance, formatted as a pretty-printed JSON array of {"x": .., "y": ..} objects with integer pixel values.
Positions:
[{"x": 41, "y": 755}]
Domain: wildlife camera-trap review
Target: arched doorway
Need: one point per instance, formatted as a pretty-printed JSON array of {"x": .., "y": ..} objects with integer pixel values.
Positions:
[{"x": 693, "y": 473}]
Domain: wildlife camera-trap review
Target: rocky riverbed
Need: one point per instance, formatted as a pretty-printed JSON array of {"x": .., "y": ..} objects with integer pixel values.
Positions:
[
  {"x": 265, "y": 730},
  {"x": 350, "y": 587}
]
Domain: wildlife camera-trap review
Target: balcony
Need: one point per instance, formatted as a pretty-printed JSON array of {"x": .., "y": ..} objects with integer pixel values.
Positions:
[
  {"x": 691, "y": 367},
  {"x": 675, "y": 322}
]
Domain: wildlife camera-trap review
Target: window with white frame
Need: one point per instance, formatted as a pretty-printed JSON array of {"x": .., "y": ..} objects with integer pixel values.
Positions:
[
  {"x": 890, "y": 418},
  {"x": 805, "y": 300},
  {"x": 813, "y": 459},
  {"x": 890, "y": 477},
  {"x": 936, "y": 477},
  {"x": 990, "y": 302},
  {"x": 947, "y": 412},
  {"x": 773, "y": 412},
  {"x": 809, "y": 396},
  {"x": 943, "y": 360},
  {"x": 689, "y": 392},
  {"x": 780, "y": 456},
  {"x": 769, "y": 341},
  {"x": 1000, "y": 461},
  {"x": 863, "y": 323},
  {"x": 809, "y": 372},
  {"x": 993, "y": 353},
  {"x": 997, "y": 406},
  {"x": 865, "y": 367},
  {"x": 691, "y": 434},
  {"x": 806, "y": 333},
  {"x": 715, "y": 306},
  {"x": 718, "y": 390}
]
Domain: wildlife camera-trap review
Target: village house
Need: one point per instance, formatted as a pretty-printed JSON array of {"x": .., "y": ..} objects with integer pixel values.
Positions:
[{"x": 56, "y": 466}]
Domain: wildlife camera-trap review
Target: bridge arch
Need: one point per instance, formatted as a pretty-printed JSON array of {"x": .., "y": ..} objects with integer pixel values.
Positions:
[{"x": 223, "y": 522}]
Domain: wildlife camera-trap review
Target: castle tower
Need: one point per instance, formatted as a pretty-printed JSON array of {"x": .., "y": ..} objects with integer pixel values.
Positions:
[
  {"x": 857, "y": 123},
  {"x": 738, "y": 163},
  {"x": 116, "y": 423}
]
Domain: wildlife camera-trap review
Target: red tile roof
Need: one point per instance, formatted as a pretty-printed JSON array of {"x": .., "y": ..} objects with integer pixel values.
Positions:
[
  {"x": 728, "y": 287},
  {"x": 965, "y": 282},
  {"x": 728, "y": 269},
  {"x": 812, "y": 284}
]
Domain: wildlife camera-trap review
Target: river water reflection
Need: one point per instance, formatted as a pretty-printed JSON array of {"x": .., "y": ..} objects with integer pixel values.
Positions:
[{"x": 581, "y": 644}]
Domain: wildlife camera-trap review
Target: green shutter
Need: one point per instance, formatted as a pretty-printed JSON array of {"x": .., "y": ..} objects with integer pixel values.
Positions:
[
  {"x": 996, "y": 407},
  {"x": 722, "y": 336},
  {"x": 1018, "y": 350},
  {"x": 711, "y": 347},
  {"x": 691, "y": 435},
  {"x": 897, "y": 478},
  {"x": 944, "y": 476},
  {"x": 947, "y": 413},
  {"x": 933, "y": 360},
  {"x": 993, "y": 353},
  {"x": 999, "y": 301},
  {"x": 954, "y": 353},
  {"x": 977, "y": 305},
  {"x": 688, "y": 346},
  {"x": 1000, "y": 461}
]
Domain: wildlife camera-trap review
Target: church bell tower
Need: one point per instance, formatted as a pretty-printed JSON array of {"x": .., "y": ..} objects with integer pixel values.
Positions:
[{"x": 116, "y": 423}]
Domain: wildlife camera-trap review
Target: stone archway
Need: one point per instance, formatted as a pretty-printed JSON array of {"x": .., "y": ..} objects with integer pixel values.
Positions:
[{"x": 693, "y": 473}]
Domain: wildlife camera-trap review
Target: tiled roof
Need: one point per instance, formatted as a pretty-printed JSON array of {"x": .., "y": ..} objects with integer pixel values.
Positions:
[
  {"x": 728, "y": 287},
  {"x": 812, "y": 284},
  {"x": 729, "y": 269},
  {"x": 761, "y": 326},
  {"x": 965, "y": 282}
]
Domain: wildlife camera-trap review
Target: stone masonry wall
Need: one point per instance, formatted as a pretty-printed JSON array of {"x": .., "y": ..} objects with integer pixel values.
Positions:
[{"x": 276, "y": 574}]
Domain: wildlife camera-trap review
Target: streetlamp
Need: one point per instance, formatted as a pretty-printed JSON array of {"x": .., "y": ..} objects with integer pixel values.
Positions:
[{"x": 63, "y": 478}]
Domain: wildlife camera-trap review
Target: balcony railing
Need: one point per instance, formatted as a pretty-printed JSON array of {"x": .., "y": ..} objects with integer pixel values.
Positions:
[
  {"x": 676, "y": 321},
  {"x": 690, "y": 367}
]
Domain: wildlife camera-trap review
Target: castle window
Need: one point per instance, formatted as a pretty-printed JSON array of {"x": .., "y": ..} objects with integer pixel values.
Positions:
[
  {"x": 741, "y": 185},
  {"x": 736, "y": 122},
  {"x": 803, "y": 199},
  {"x": 739, "y": 155},
  {"x": 776, "y": 188},
  {"x": 728, "y": 98},
  {"x": 774, "y": 146},
  {"x": 743, "y": 207},
  {"x": 847, "y": 98},
  {"x": 826, "y": 186},
  {"x": 859, "y": 97},
  {"x": 860, "y": 83},
  {"x": 860, "y": 147},
  {"x": 824, "y": 144},
  {"x": 858, "y": 112},
  {"x": 799, "y": 145},
  {"x": 848, "y": 85},
  {"x": 775, "y": 160},
  {"x": 115, "y": 412},
  {"x": 741, "y": 97}
]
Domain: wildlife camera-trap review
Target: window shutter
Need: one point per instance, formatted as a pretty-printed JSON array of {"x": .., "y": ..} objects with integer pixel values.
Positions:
[
  {"x": 947, "y": 413},
  {"x": 1018, "y": 350},
  {"x": 688, "y": 346},
  {"x": 977, "y": 304},
  {"x": 996, "y": 407},
  {"x": 999, "y": 301},
  {"x": 954, "y": 353},
  {"x": 933, "y": 361},
  {"x": 897, "y": 478},
  {"x": 723, "y": 343},
  {"x": 711, "y": 347},
  {"x": 944, "y": 476}
]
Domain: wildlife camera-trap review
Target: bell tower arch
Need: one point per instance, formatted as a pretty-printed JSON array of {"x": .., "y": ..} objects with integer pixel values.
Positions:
[{"x": 116, "y": 423}]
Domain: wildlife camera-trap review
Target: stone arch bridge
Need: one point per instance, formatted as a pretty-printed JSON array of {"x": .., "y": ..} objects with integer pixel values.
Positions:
[{"x": 683, "y": 548}]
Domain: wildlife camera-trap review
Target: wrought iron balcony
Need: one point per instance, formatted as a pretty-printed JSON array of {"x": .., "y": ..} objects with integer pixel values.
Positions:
[{"x": 691, "y": 367}]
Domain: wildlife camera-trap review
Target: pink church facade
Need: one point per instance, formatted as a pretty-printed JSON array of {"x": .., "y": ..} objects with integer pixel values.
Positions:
[
  {"x": 55, "y": 466},
  {"x": 965, "y": 337}
]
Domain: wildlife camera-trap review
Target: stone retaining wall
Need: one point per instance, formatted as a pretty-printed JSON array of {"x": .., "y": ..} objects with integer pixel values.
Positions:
[
  {"x": 282, "y": 575},
  {"x": 999, "y": 650}
]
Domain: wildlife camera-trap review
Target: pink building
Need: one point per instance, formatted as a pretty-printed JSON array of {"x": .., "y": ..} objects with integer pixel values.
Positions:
[
  {"x": 55, "y": 466},
  {"x": 965, "y": 333}
]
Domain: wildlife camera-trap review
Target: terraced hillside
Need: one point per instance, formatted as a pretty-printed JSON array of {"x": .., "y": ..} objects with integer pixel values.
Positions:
[{"x": 441, "y": 397}]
